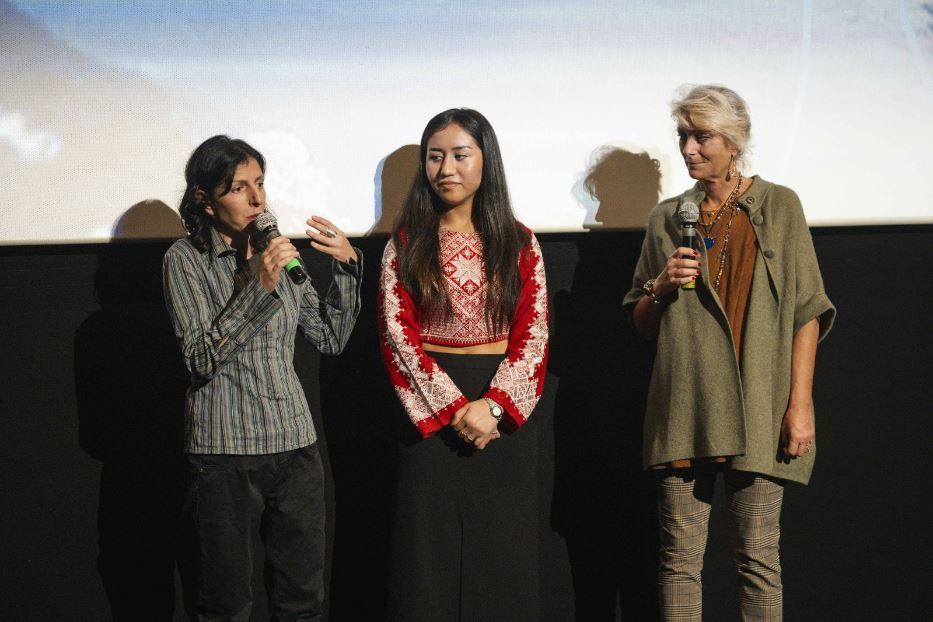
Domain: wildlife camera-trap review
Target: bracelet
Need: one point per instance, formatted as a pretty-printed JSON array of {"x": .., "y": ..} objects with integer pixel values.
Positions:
[{"x": 648, "y": 289}]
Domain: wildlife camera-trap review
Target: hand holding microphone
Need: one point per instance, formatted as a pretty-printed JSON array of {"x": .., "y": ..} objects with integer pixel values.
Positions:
[
  {"x": 689, "y": 214},
  {"x": 683, "y": 266},
  {"x": 277, "y": 253}
]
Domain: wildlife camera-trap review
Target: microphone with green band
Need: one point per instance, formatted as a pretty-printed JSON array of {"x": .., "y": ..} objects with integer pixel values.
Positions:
[{"x": 268, "y": 230}]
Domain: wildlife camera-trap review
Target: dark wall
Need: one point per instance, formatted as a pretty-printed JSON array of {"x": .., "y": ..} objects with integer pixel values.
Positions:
[{"x": 92, "y": 406}]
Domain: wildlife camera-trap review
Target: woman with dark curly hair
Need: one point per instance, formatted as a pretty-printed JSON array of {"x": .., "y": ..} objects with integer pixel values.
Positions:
[
  {"x": 253, "y": 465},
  {"x": 463, "y": 325}
]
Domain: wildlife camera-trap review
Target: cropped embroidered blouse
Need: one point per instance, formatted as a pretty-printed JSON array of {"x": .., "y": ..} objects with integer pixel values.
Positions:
[{"x": 427, "y": 393}]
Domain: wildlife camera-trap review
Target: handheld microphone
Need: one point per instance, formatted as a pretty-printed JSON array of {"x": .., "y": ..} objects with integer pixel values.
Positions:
[
  {"x": 689, "y": 214},
  {"x": 268, "y": 229}
]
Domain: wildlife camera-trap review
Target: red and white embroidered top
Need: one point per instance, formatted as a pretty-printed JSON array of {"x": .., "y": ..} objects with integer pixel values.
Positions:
[{"x": 428, "y": 394}]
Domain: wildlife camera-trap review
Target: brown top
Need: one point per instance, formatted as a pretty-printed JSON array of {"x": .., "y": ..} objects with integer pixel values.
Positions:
[
  {"x": 735, "y": 285},
  {"x": 736, "y": 282}
]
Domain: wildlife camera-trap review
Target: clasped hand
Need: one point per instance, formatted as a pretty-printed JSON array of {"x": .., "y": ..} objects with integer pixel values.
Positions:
[{"x": 475, "y": 424}]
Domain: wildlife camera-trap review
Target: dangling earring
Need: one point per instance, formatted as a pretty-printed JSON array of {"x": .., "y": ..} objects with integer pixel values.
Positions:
[{"x": 731, "y": 172}]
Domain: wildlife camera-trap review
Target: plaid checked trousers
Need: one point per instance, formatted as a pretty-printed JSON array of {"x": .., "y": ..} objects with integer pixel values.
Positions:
[{"x": 684, "y": 499}]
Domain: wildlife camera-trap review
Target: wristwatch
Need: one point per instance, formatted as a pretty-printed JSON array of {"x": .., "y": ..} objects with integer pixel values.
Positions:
[
  {"x": 494, "y": 409},
  {"x": 648, "y": 288}
]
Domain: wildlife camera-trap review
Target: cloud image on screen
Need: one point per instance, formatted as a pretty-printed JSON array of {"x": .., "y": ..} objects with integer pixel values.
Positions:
[{"x": 102, "y": 103}]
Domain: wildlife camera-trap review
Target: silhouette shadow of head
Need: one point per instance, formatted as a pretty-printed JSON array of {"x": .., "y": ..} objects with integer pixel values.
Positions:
[
  {"x": 148, "y": 220},
  {"x": 625, "y": 186},
  {"x": 394, "y": 177}
]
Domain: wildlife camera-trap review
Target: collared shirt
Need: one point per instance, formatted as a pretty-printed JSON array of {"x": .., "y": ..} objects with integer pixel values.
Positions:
[{"x": 238, "y": 342}]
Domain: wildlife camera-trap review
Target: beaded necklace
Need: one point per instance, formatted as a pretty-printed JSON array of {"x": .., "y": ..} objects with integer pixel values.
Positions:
[
  {"x": 730, "y": 205},
  {"x": 709, "y": 239}
]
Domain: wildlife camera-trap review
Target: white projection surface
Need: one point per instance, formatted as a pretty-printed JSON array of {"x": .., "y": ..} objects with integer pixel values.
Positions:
[{"x": 102, "y": 102}]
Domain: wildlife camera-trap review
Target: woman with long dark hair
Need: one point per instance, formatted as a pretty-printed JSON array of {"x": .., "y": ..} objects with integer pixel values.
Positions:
[
  {"x": 464, "y": 325},
  {"x": 253, "y": 465}
]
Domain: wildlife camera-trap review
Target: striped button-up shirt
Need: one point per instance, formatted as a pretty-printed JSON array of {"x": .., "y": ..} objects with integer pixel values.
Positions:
[{"x": 238, "y": 342}]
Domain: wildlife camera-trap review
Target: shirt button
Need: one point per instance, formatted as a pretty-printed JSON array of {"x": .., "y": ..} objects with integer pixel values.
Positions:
[
  {"x": 769, "y": 253},
  {"x": 750, "y": 200},
  {"x": 758, "y": 220}
]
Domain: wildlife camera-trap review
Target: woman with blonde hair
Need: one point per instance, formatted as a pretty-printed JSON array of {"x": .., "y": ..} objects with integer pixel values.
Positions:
[{"x": 736, "y": 319}]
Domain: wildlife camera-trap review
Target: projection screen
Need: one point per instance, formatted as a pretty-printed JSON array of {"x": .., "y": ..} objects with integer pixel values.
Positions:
[{"x": 102, "y": 102}]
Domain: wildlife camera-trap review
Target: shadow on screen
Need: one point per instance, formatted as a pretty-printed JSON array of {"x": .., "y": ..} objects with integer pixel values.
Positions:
[
  {"x": 603, "y": 503},
  {"x": 148, "y": 220},
  {"x": 130, "y": 385},
  {"x": 394, "y": 176},
  {"x": 362, "y": 422},
  {"x": 619, "y": 189}
]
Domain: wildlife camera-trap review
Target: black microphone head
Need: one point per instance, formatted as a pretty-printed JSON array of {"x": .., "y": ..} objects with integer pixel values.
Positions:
[{"x": 689, "y": 213}]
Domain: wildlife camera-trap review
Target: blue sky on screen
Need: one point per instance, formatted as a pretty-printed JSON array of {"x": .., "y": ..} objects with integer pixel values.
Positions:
[{"x": 327, "y": 90}]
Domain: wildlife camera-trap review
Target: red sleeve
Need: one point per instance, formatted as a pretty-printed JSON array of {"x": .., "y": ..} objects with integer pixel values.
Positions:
[
  {"x": 427, "y": 393},
  {"x": 519, "y": 381}
]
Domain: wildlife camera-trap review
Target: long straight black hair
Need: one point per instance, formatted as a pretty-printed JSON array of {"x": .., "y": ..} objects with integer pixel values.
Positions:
[
  {"x": 502, "y": 235},
  {"x": 211, "y": 168}
]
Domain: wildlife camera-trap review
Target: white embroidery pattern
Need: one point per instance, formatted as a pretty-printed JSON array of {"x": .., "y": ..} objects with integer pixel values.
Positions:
[
  {"x": 461, "y": 258},
  {"x": 518, "y": 378},
  {"x": 429, "y": 391}
]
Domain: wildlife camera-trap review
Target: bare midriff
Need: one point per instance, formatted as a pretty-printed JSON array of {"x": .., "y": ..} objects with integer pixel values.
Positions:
[{"x": 496, "y": 347}]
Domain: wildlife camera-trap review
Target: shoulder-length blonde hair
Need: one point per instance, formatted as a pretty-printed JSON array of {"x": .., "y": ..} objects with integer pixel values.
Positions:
[{"x": 715, "y": 108}]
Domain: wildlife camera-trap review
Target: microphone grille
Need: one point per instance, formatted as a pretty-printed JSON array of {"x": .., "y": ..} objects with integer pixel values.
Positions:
[
  {"x": 265, "y": 220},
  {"x": 689, "y": 212}
]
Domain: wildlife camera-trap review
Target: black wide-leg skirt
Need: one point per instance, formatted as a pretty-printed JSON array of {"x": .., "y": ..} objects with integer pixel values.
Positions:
[{"x": 465, "y": 531}]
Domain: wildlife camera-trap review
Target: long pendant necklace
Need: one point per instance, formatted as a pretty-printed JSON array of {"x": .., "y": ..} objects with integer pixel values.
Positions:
[
  {"x": 724, "y": 250},
  {"x": 709, "y": 240}
]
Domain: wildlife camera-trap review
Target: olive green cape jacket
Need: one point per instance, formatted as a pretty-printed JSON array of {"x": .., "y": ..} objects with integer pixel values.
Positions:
[{"x": 702, "y": 402}]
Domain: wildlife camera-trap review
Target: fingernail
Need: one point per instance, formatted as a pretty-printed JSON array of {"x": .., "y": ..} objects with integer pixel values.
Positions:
[{"x": 694, "y": 278}]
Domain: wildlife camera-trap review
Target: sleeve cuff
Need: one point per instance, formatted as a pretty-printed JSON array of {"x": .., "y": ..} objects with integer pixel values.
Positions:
[
  {"x": 820, "y": 307},
  {"x": 441, "y": 418},
  {"x": 350, "y": 268}
]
